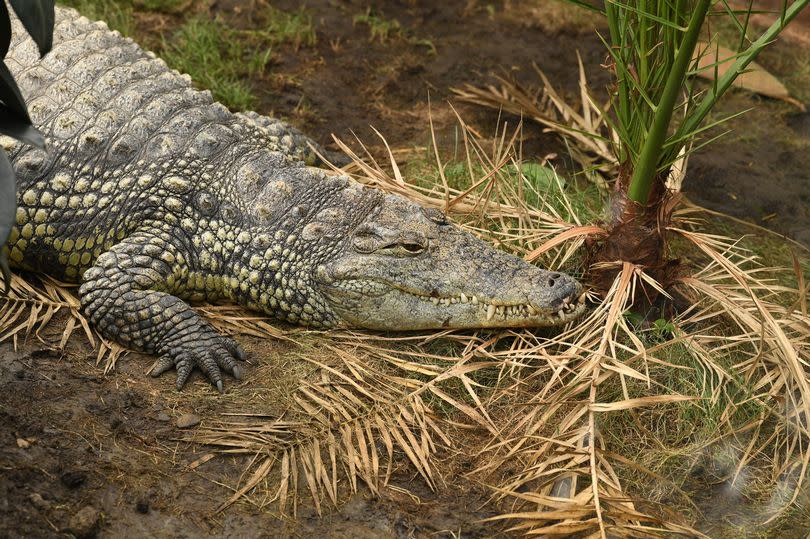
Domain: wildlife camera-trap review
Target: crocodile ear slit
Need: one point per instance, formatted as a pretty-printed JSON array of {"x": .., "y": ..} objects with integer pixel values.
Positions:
[
  {"x": 436, "y": 215},
  {"x": 365, "y": 243}
]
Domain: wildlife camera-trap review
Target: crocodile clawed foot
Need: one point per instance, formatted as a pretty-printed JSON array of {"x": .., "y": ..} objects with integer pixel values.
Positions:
[{"x": 211, "y": 353}]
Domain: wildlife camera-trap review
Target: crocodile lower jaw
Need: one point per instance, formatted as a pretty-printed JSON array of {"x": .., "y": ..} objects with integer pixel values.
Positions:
[
  {"x": 405, "y": 310},
  {"x": 494, "y": 309}
]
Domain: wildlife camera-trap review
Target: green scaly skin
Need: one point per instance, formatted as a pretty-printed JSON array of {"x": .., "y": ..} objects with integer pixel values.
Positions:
[{"x": 152, "y": 196}]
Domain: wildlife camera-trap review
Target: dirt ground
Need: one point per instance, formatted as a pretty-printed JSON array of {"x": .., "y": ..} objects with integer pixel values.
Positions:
[
  {"x": 74, "y": 438},
  {"x": 86, "y": 453}
]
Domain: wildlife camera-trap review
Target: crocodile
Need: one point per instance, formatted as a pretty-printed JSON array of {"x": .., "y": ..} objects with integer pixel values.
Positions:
[{"x": 152, "y": 197}]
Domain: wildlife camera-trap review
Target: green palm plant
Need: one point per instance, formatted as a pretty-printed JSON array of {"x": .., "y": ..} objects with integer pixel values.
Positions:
[{"x": 658, "y": 114}]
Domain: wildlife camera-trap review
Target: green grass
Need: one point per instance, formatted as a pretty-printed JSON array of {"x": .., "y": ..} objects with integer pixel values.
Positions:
[
  {"x": 221, "y": 59},
  {"x": 540, "y": 184},
  {"x": 379, "y": 27},
  {"x": 383, "y": 29},
  {"x": 216, "y": 56},
  {"x": 216, "y": 59},
  {"x": 116, "y": 13},
  {"x": 283, "y": 27},
  {"x": 677, "y": 440},
  {"x": 164, "y": 6}
]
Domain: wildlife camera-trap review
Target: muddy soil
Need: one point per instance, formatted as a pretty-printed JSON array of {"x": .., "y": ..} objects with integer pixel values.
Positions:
[
  {"x": 73, "y": 438},
  {"x": 87, "y": 454}
]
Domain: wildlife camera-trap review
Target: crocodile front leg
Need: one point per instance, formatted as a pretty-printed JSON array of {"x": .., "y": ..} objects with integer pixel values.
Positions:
[{"x": 129, "y": 297}]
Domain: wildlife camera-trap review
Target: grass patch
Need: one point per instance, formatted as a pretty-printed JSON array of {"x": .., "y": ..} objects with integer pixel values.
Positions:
[
  {"x": 216, "y": 59},
  {"x": 280, "y": 27},
  {"x": 116, "y": 13},
  {"x": 697, "y": 453},
  {"x": 383, "y": 29},
  {"x": 552, "y": 16},
  {"x": 378, "y": 27},
  {"x": 163, "y": 6},
  {"x": 221, "y": 58},
  {"x": 541, "y": 184},
  {"x": 217, "y": 56}
]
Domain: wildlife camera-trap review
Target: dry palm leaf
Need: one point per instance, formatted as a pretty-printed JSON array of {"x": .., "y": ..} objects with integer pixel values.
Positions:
[
  {"x": 586, "y": 126},
  {"x": 541, "y": 408}
]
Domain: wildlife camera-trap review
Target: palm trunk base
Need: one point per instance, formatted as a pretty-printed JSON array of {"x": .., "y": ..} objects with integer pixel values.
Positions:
[{"x": 636, "y": 234}]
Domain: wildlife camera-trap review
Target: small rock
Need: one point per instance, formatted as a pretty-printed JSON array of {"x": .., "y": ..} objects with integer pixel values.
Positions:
[
  {"x": 142, "y": 506},
  {"x": 116, "y": 422},
  {"x": 39, "y": 501},
  {"x": 163, "y": 416},
  {"x": 187, "y": 420},
  {"x": 73, "y": 479},
  {"x": 84, "y": 524},
  {"x": 22, "y": 443}
]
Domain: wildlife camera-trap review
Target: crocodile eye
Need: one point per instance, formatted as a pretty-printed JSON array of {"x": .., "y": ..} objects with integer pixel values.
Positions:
[
  {"x": 401, "y": 249},
  {"x": 413, "y": 248},
  {"x": 436, "y": 216}
]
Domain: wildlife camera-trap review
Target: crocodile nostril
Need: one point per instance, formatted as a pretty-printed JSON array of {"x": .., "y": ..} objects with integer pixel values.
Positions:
[{"x": 553, "y": 279}]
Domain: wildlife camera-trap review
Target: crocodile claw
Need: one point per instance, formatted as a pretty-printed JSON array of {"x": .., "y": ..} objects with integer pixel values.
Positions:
[{"x": 210, "y": 352}]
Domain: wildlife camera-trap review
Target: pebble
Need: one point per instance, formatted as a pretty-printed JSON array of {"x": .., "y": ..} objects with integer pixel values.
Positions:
[
  {"x": 163, "y": 416},
  {"x": 142, "y": 506},
  {"x": 187, "y": 420},
  {"x": 73, "y": 478},
  {"x": 38, "y": 501},
  {"x": 22, "y": 443},
  {"x": 84, "y": 523}
]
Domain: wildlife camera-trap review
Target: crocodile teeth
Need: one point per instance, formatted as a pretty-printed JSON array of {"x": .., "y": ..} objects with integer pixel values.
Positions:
[
  {"x": 463, "y": 298},
  {"x": 435, "y": 301},
  {"x": 560, "y": 313},
  {"x": 475, "y": 300},
  {"x": 532, "y": 310},
  {"x": 581, "y": 299},
  {"x": 499, "y": 309},
  {"x": 490, "y": 312}
]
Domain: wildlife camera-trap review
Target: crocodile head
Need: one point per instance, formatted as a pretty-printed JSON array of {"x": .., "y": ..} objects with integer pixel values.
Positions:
[{"x": 407, "y": 268}]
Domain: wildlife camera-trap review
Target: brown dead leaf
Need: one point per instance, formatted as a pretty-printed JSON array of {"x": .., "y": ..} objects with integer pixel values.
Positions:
[{"x": 755, "y": 79}]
